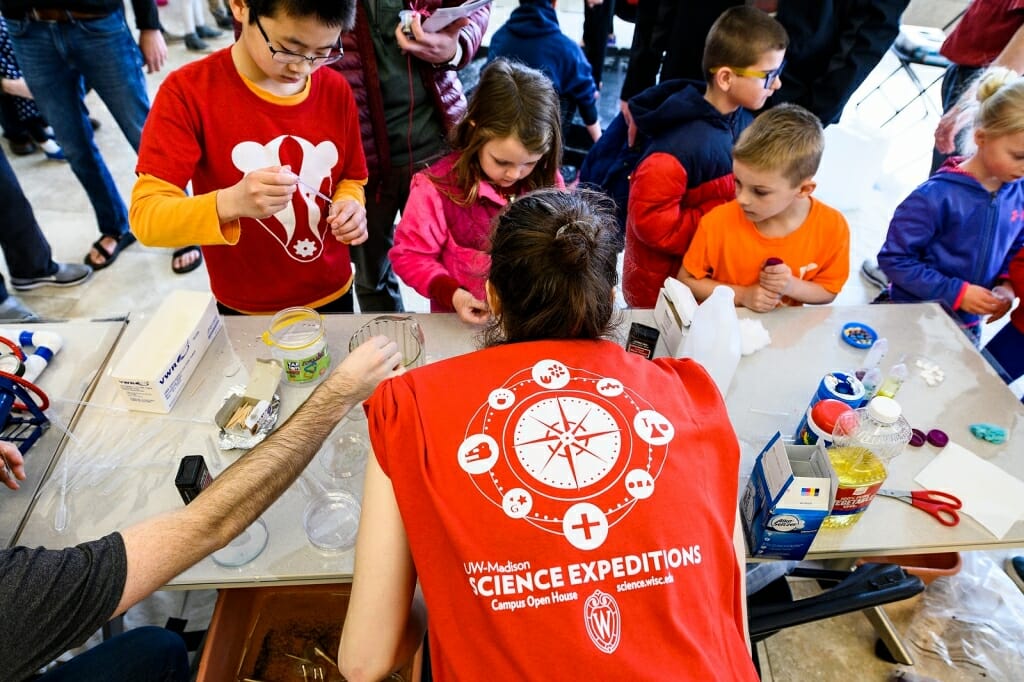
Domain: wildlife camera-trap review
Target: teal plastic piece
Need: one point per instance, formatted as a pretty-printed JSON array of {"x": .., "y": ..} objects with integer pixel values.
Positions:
[{"x": 989, "y": 432}]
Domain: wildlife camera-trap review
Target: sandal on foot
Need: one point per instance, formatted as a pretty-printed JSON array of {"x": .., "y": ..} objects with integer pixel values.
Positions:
[
  {"x": 123, "y": 242},
  {"x": 183, "y": 269}
]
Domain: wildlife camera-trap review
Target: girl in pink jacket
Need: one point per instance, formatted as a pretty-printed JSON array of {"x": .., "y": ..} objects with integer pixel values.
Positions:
[{"x": 508, "y": 144}]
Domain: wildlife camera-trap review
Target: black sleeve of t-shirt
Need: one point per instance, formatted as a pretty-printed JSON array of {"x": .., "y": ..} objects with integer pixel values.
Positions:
[{"x": 53, "y": 600}]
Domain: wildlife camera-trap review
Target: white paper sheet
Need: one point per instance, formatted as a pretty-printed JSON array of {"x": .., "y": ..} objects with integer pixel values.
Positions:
[
  {"x": 443, "y": 16},
  {"x": 992, "y": 497}
]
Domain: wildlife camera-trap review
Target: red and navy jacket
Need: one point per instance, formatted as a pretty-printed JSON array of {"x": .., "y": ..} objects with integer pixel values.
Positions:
[{"x": 685, "y": 172}]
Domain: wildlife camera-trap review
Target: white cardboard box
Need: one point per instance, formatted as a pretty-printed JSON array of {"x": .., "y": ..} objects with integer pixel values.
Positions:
[
  {"x": 790, "y": 492},
  {"x": 154, "y": 371},
  {"x": 667, "y": 319}
]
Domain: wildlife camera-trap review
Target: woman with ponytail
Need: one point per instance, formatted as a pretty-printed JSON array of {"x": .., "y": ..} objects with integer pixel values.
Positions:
[{"x": 567, "y": 508}]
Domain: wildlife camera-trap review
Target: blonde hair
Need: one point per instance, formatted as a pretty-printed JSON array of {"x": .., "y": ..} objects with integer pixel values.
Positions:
[
  {"x": 1000, "y": 102},
  {"x": 786, "y": 138}
]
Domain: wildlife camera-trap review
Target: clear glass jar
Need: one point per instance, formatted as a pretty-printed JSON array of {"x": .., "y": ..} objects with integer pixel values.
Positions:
[{"x": 864, "y": 441}]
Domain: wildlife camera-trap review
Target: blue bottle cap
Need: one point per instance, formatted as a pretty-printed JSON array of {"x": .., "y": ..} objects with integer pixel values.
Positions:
[{"x": 858, "y": 335}]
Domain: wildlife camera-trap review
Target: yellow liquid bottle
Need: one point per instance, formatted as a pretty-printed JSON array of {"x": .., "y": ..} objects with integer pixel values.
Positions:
[{"x": 860, "y": 474}]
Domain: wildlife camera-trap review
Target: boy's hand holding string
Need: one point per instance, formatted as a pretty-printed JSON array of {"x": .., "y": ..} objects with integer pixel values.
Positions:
[
  {"x": 259, "y": 194},
  {"x": 266, "y": 191}
]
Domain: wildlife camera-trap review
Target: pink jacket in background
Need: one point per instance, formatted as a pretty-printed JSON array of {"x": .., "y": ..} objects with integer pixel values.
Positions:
[{"x": 441, "y": 246}]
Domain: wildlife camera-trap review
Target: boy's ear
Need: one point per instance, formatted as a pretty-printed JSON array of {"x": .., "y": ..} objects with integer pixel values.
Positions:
[
  {"x": 979, "y": 137},
  {"x": 236, "y": 9},
  {"x": 722, "y": 79},
  {"x": 807, "y": 186}
]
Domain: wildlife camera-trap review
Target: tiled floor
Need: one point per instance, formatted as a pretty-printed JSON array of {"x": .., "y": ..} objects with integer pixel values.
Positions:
[{"x": 866, "y": 171}]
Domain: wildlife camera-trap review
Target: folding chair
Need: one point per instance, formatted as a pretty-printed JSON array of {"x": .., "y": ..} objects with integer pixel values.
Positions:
[
  {"x": 866, "y": 588},
  {"x": 915, "y": 45}
]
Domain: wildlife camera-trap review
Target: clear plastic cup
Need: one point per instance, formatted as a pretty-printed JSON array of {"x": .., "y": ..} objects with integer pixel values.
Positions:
[
  {"x": 403, "y": 330},
  {"x": 344, "y": 457},
  {"x": 247, "y": 546},
  {"x": 331, "y": 521}
]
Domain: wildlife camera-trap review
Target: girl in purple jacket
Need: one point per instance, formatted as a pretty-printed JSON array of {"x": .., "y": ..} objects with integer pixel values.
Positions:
[
  {"x": 509, "y": 143},
  {"x": 952, "y": 239}
]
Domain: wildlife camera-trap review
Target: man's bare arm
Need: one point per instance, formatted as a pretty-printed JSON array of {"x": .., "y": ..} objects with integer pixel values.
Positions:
[{"x": 162, "y": 547}]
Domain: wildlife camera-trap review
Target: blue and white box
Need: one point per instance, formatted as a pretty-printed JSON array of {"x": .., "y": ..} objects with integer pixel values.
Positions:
[{"x": 790, "y": 492}]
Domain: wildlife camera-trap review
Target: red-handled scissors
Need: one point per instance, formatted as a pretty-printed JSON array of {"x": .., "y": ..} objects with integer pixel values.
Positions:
[{"x": 941, "y": 505}]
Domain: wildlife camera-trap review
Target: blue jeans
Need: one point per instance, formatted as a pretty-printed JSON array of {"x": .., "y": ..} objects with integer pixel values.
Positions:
[
  {"x": 146, "y": 654},
  {"x": 55, "y": 57},
  {"x": 25, "y": 248}
]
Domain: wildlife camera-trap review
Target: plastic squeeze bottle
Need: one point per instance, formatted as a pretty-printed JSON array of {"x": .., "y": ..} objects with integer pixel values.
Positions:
[{"x": 714, "y": 338}]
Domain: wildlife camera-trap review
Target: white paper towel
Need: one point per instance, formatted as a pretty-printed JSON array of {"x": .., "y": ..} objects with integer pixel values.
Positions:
[{"x": 992, "y": 497}]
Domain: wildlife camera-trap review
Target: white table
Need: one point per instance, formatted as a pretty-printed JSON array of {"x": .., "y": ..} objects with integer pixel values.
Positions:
[
  {"x": 780, "y": 378},
  {"x": 806, "y": 345},
  {"x": 67, "y": 380}
]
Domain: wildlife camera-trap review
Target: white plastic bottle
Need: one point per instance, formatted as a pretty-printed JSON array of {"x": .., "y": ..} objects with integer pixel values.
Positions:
[{"x": 714, "y": 338}]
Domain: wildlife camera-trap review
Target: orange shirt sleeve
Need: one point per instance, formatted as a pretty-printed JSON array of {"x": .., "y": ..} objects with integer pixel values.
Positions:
[
  {"x": 161, "y": 214},
  {"x": 351, "y": 189}
]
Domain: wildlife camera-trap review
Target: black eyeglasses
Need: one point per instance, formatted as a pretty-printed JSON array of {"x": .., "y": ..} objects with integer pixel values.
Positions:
[
  {"x": 769, "y": 76},
  {"x": 288, "y": 57}
]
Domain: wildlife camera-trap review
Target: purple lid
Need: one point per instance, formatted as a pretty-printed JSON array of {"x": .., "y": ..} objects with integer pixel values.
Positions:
[
  {"x": 938, "y": 438},
  {"x": 918, "y": 438}
]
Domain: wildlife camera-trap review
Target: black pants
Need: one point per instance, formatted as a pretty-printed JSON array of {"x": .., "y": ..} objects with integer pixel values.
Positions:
[
  {"x": 376, "y": 283},
  {"x": 25, "y": 248},
  {"x": 597, "y": 25}
]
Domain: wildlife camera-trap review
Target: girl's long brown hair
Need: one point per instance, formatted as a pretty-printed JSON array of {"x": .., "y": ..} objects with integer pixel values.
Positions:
[{"x": 511, "y": 100}]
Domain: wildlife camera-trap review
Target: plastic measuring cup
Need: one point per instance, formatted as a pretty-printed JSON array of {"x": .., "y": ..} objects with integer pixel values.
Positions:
[
  {"x": 296, "y": 338},
  {"x": 403, "y": 330}
]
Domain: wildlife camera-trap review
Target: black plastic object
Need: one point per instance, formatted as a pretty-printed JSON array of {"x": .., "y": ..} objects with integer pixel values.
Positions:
[{"x": 192, "y": 478}]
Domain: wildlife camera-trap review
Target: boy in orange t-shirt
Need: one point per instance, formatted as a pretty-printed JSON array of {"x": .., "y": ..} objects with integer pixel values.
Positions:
[{"x": 773, "y": 244}]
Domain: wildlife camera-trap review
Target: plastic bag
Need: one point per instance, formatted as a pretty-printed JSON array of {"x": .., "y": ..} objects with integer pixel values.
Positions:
[{"x": 969, "y": 625}]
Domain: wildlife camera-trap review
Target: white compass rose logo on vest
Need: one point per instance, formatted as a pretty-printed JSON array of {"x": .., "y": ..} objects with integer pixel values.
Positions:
[{"x": 566, "y": 450}]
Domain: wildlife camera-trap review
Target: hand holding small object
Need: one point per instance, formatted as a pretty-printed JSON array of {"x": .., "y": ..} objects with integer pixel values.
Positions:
[
  {"x": 347, "y": 220},
  {"x": 980, "y": 301},
  {"x": 259, "y": 194},
  {"x": 432, "y": 47},
  {"x": 775, "y": 276},
  {"x": 469, "y": 308},
  {"x": 1006, "y": 297}
]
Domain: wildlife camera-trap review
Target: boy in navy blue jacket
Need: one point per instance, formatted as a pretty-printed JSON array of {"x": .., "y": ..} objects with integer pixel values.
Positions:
[
  {"x": 532, "y": 36},
  {"x": 686, "y": 168}
]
